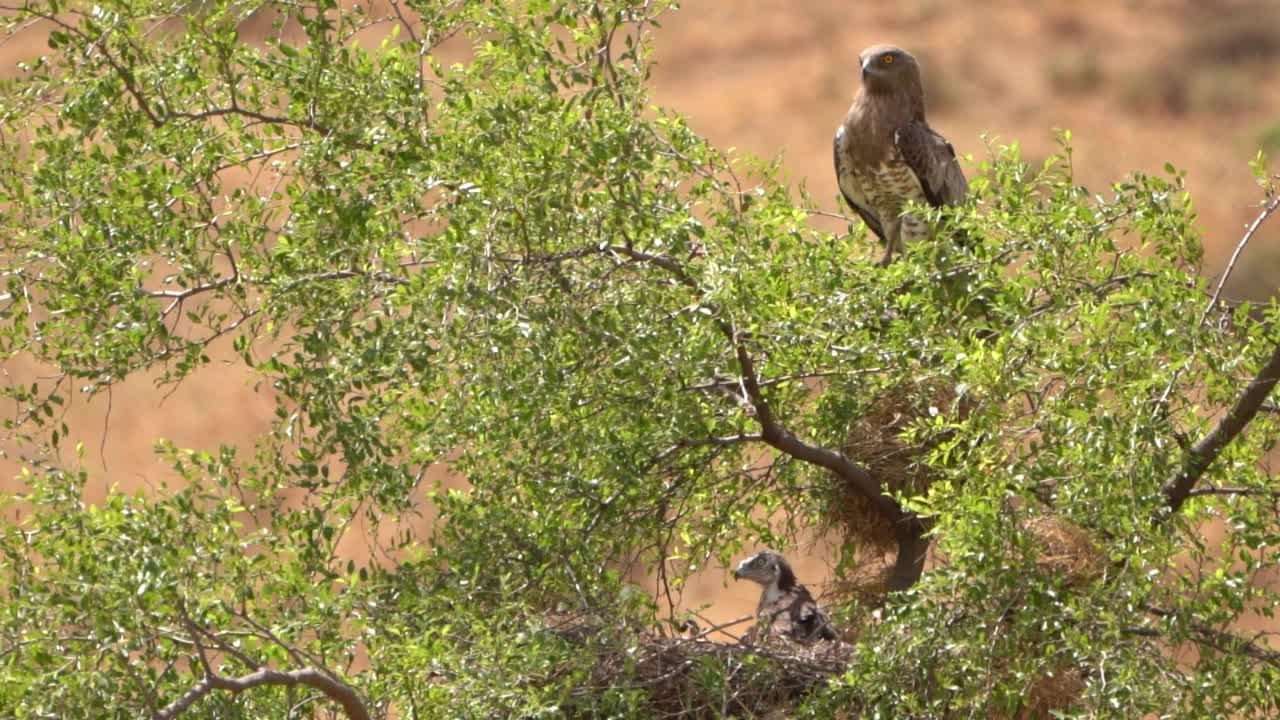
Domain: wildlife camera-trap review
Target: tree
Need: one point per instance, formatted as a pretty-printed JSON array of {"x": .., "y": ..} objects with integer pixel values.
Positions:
[{"x": 638, "y": 352}]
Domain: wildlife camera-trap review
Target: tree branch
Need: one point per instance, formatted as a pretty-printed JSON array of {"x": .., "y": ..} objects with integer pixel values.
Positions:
[
  {"x": 251, "y": 114},
  {"x": 330, "y": 686},
  {"x": 910, "y": 529},
  {"x": 1201, "y": 455},
  {"x": 1221, "y": 640},
  {"x": 722, "y": 441},
  {"x": 1257, "y": 492},
  {"x": 1268, "y": 208},
  {"x": 320, "y": 679}
]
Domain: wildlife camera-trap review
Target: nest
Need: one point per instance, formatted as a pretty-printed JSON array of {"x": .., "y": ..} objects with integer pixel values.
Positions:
[
  {"x": 1053, "y": 692},
  {"x": 696, "y": 678},
  {"x": 1065, "y": 550},
  {"x": 875, "y": 441}
]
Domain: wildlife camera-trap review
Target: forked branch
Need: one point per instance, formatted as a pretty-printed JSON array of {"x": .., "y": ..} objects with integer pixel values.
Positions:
[
  {"x": 330, "y": 686},
  {"x": 320, "y": 678}
]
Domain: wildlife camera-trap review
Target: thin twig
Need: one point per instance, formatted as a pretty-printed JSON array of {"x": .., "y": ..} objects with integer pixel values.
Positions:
[
  {"x": 1267, "y": 209},
  {"x": 1257, "y": 492},
  {"x": 723, "y": 441},
  {"x": 720, "y": 627}
]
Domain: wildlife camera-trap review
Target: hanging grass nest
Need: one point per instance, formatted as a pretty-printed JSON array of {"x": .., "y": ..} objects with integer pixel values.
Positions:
[
  {"x": 1064, "y": 549},
  {"x": 1052, "y": 692},
  {"x": 865, "y": 584},
  {"x": 875, "y": 440}
]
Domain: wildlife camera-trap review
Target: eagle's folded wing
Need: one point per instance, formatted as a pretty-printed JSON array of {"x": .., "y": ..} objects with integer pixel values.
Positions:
[
  {"x": 868, "y": 218},
  {"x": 934, "y": 162}
]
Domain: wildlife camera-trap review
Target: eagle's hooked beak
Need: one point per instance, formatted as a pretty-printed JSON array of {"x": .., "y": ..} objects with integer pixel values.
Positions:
[{"x": 735, "y": 574}]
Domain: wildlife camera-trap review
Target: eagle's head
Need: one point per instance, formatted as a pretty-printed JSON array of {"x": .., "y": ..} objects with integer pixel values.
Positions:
[
  {"x": 767, "y": 568},
  {"x": 886, "y": 68}
]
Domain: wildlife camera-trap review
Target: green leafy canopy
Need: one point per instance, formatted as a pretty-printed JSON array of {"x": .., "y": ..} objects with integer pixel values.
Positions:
[{"x": 457, "y": 234}]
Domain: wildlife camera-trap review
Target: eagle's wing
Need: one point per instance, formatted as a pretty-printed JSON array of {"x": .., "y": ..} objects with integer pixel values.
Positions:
[
  {"x": 809, "y": 622},
  {"x": 933, "y": 160},
  {"x": 868, "y": 218}
]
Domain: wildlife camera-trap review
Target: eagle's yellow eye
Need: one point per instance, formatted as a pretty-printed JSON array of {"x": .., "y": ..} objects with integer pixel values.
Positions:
[{"x": 886, "y": 60}]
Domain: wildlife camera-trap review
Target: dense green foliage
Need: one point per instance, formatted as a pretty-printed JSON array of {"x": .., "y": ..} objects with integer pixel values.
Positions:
[{"x": 494, "y": 254}]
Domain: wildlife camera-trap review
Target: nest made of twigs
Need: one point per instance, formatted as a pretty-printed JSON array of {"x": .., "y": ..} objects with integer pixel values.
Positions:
[
  {"x": 696, "y": 678},
  {"x": 875, "y": 440}
]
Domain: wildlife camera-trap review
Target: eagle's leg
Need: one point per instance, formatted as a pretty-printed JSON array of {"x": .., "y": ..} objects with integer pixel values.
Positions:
[{"x": 892, "y": 242}]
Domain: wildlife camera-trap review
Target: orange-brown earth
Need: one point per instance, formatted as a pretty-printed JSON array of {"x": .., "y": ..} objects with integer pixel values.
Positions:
[{"x": 1139, "y": 83}]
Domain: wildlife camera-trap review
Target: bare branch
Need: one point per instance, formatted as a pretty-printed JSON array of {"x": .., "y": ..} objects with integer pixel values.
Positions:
[
  {"x": 331, "y": 687},
  {"x": 732, "y": 384},
  {"x": 189, "y": 292},
  {"x": 721, "y": 626},
  {"x": 912, "y": 543},
  {"x": 1267, "y": 209},
  {"x": 299, "y": 655},
  {"x": 1257, "y": 492},
  {"x": 251, "y": 114}
]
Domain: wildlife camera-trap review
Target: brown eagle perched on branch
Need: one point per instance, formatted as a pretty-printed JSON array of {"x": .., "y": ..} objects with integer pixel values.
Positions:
[
  {"x": 887, "y": 155},
  {"x": 786, "y": 608}
]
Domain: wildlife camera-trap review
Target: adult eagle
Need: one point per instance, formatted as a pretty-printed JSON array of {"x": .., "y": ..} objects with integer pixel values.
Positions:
[
  {"x": 786, "y": 608},
  {"x": 887, "y": 155}
]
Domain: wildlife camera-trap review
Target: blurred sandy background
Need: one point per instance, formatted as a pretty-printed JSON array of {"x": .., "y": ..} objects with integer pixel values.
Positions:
[{"x": 1139, "y": 83}]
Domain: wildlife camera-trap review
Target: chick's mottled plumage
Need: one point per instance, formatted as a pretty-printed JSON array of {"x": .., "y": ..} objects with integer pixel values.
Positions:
[{"x": 786, "y": 608}]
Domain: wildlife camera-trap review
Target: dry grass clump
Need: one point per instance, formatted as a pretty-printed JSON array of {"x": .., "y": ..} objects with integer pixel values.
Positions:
[
  {"x": 1053, "y": 691},
  {"x": 875, "y": 441},
  {"x": 1250, "y": 34},
  {"x": 1065, "y": 549},
  {"x": 1226, "y": 57},
  {"x": 866, "y": 583},
  {"x": 1075, "y": 72}
]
